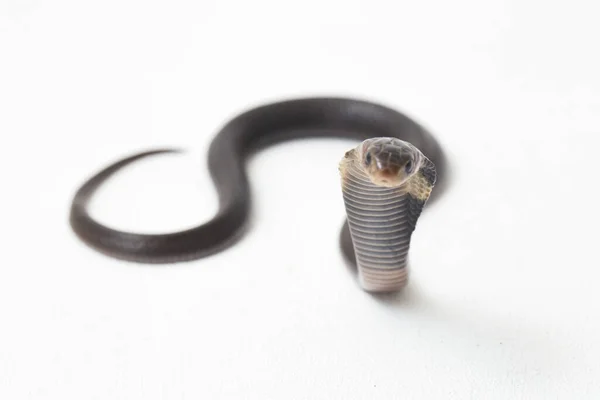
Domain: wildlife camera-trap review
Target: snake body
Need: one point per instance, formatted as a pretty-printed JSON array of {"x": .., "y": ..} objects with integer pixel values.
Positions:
[{"x": 383, "y": 195}]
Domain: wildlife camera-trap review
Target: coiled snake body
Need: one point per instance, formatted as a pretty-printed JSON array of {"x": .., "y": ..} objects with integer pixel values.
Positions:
[{"x": 386, "y": 181}]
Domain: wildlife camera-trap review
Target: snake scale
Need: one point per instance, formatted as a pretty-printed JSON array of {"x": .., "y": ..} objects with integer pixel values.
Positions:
[{"x": 386, "y": 181}]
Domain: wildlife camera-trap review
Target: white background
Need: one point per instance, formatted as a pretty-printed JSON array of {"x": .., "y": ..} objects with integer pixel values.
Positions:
[{"x": 503, "y": 301}]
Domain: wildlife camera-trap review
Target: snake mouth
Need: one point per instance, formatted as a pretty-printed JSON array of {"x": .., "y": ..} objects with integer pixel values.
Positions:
[{"x": 390, "y": 176}]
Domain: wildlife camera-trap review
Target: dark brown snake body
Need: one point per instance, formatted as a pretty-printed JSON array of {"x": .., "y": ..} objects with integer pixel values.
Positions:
[{"x": 385, "y": 183}]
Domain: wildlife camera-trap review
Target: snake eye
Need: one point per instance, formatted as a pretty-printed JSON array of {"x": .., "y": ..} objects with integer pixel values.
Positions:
[
  {"x": 408, "y": 167},
  {"x": 368, "y": 159}
]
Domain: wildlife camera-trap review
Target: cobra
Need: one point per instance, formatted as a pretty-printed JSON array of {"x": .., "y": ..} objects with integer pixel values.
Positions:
[{"x": 386, "y": 181}]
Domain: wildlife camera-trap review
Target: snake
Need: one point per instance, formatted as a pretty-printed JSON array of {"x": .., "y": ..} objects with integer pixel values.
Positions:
[{"x": 395, "y": 170}]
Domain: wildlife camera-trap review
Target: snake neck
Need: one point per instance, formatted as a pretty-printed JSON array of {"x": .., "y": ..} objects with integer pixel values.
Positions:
[{"x": 379, "y": 222}]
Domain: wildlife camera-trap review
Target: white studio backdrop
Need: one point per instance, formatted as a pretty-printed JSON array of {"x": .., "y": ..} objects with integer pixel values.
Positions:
[{"x": 503, "y": 300}]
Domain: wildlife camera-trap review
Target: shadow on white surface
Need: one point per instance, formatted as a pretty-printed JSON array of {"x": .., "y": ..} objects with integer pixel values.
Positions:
[{"x": 505, "y": 345}]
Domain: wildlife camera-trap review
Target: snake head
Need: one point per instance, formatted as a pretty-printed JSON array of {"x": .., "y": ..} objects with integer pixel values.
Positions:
[{"x": 389, "y": 162}]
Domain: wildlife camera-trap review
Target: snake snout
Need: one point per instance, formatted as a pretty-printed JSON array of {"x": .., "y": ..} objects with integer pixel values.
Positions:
[
  {"x": 389, "y": 175},
  {"x": 389, "y": 172}
]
